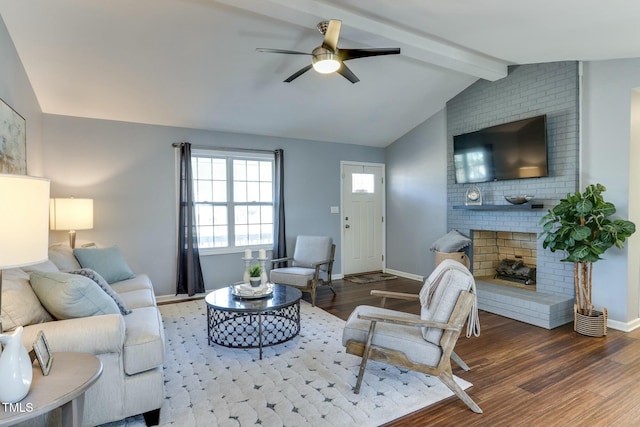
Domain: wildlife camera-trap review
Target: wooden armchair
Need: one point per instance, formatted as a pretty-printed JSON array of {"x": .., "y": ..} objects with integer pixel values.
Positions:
[
  {"x": 310, "y": 266},
  {"x": 422, "y": 343},
  {"x": 413, "y": 297}
]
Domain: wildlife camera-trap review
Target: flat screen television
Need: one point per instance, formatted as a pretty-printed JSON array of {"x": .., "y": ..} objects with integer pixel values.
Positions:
[{"x": 512, "y": 150}]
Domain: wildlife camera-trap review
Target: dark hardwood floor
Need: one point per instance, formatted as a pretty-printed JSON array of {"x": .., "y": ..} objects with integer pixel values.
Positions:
[{"x": 522, "y": 375}]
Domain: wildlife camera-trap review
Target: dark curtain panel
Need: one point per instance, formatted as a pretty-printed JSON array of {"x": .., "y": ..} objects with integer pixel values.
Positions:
[
  {"x": 189, "y": 279},
  {"x": 279, "y": 239}
]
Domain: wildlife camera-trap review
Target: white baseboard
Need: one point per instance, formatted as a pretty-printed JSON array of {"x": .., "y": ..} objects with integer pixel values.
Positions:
[
  {"x": 622, "y": 326},
  {"x": 168, "y": 299},
  {"x": 405, "y": 275}
]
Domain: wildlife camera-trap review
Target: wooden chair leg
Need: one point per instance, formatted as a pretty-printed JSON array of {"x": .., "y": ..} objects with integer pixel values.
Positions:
[
  {"x": 365, "y": 357},
  {"x": 447, "y": 379},
  {"x": 329, "y": 284},
  {"x": 459, "y": 361},
  {"x": 314, "y": 287}
]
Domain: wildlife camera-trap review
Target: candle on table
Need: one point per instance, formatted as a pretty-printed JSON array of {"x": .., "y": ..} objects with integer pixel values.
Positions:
[
  {"x": 262, "y": 253},
  {"x": 247, "y": 253}
]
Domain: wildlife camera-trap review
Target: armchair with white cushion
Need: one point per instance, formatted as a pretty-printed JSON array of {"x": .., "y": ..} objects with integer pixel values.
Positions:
[
  {"x": 424, "y": 342},
  {"x": 310, "y": 266}
]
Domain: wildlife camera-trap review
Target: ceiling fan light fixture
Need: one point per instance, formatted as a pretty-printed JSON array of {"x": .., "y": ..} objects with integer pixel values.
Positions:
[
  {"x": 325, "y": 63},
  {"x": 328, "y": 58}
]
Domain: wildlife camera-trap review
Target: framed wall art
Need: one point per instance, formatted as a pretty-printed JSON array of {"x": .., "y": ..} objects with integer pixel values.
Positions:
[{"x": 13, "y": 141}]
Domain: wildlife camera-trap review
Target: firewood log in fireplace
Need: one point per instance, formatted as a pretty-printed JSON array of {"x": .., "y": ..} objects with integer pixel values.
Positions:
[{"x": 516, "y": 271}]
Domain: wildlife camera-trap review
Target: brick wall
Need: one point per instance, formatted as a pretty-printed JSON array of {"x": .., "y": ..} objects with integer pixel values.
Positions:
[
  {"x": 485, "y": 253},
  {"x": 528, "y": 90}
]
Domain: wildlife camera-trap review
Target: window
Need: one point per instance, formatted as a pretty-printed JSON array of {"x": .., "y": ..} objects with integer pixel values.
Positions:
[
  {"x": 363, "y": 183},
  {"x": 234, "y": 199}
]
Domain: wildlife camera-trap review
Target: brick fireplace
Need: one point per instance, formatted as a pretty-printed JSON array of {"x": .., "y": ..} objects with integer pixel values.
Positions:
[
  {"x": 500, "y": 232},
  {"x": 528, "y": 90}
]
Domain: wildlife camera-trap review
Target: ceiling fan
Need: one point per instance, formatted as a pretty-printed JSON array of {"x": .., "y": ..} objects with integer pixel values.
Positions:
[{"x": 328, "y": 58}]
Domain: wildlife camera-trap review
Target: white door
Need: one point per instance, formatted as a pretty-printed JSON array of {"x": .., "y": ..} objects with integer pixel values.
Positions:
[{"x": 362, "y": 217}]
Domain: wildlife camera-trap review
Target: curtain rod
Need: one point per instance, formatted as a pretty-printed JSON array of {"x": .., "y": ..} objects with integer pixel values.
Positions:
[{"x": 207, "y": 147}]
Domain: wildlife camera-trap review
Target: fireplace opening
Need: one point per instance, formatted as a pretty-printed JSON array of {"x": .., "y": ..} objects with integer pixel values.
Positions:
[
  {"x": 505, "y": 258},
  {"x": 516, "y": 271}
]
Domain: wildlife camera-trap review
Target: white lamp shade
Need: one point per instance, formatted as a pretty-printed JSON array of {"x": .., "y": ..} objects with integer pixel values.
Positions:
[
  {"x": 71, "y": 214},
  {"x": 24, "y": 218}
]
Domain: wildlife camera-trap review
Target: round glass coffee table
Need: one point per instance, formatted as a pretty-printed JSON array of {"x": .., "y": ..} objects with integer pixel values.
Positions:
[{"x": 250, "y": 322}]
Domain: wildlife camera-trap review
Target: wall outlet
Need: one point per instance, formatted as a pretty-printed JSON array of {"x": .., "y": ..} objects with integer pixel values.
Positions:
[{"x": 335, "y": 209}]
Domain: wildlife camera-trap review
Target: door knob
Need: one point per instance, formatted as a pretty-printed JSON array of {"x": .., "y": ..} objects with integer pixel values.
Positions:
[{"x": 347, "y": 226}]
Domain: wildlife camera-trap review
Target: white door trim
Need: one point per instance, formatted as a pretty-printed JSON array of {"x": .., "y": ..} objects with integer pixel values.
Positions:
[{"x": 343, "y": 163}]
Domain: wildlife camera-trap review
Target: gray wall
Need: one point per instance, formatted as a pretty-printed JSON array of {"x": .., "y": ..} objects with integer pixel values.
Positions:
[
  {"x": 16, "y": 91},
  {"x": 416, "y": 196},
  {"x": 129, "y": 171},
  {"x": 611, "y": 156}
]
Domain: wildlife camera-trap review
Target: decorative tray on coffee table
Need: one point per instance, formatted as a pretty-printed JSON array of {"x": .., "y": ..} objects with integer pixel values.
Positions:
[{"x": 246, "y": 291}]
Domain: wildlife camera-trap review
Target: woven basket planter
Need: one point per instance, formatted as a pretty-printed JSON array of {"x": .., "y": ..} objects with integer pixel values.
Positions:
[{"x": 591, "y": 326}]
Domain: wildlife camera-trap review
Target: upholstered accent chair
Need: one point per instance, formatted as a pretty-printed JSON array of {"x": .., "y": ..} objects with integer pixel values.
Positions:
[
  {"x": 422, "y": 342},
  {"x": 310, "y": 266}
]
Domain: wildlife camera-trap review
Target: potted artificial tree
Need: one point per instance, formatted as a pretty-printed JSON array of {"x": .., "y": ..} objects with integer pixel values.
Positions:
[{"x": 580, "y": 226}]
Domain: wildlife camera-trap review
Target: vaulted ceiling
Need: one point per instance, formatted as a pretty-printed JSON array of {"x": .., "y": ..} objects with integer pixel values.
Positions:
[{"x": 193, "y": 63}]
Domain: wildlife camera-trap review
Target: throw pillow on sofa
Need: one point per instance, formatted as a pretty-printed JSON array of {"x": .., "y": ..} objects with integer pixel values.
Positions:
[
  {"x": 107, "y": 262},
  {"x": 68, "y": 296},
  {"x": 62, "y": 256},
  {"x": 93, "y": 275},
  {"x": 20, "y": 305}
]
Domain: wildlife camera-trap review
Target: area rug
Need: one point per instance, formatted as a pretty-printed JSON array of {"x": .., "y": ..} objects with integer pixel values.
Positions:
[
  {"x": 304, "y": 382},
  {"x": 370, "y": 278}
]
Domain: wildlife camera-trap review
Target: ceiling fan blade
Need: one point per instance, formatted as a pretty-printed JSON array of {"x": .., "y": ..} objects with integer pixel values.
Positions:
[
  {"x": 288, "y": 52},
  {"x": 347, "y": 73},
  {"x": 347, "y": 54},
  {"x": 298, "y": 73},
  {"x": 331, "y": 36}
]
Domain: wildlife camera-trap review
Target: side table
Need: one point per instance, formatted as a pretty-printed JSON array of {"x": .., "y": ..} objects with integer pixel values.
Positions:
[{"x": 70, "y": 376}]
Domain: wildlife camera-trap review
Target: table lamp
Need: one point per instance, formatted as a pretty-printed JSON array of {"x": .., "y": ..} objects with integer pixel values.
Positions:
[
  {"x": 24, "y": 240},
  {"x": 71, "y": 214}
]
